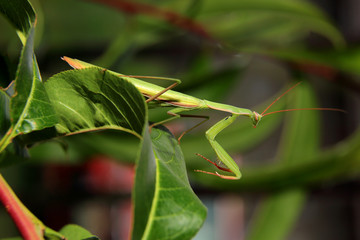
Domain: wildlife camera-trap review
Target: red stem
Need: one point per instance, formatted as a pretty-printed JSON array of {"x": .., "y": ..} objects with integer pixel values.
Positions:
[{"x": 17, "y": 211}]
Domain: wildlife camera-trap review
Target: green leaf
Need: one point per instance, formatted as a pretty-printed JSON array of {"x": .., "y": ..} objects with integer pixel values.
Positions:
[
  {"x": 93, "y": 99},
  {"x": 165, "y": 207},
  {"x": 75, "y": 232},
  {"x": 4, "y": 113},
  {"x": 276, "y": 215},
  {"x": 20, "y": 14},
  {"x": 30, "y": 107},
  {"x": 278, "y": 22},
  {"x": 50, "y": 234},
  {"x": 300, "y": 141}
]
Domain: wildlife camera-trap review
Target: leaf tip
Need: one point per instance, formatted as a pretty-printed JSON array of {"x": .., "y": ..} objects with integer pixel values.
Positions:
[{"x": 73, "y": 62}]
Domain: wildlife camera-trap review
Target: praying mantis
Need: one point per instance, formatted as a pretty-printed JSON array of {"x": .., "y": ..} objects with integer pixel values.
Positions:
[{"x": 183, "y": 103}]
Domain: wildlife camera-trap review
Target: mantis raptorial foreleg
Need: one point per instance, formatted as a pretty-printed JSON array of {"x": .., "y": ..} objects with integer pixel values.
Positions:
[{"x": 219, "y": 150}]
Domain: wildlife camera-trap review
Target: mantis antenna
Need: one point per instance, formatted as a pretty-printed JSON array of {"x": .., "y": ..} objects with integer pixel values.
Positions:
[{"x": 296, "y": 109}]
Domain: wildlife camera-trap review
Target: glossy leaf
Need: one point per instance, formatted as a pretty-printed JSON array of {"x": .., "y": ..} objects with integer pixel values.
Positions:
[
  {"x": 20, "y": 14},
  {"x": 30, "y": 107},
  {"x": 92, "y": 99},
  {"x": 165, "y": 207},
  {"x": 73, "y": 231}
]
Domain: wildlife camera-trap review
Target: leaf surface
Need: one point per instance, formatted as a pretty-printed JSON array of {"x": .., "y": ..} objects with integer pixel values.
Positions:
[
  {"x": 30, "y": 107},
  {"x": 72, "y": 231},
  {"x": 92, "y": 99},
  {"x": 165, "y": 205},
  {"x": 20, "y": 14}
]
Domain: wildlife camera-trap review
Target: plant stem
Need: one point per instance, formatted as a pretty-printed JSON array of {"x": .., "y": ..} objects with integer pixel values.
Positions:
[
  {"x": 21, "y": 216},
  {"x": 5, "y": 141}
]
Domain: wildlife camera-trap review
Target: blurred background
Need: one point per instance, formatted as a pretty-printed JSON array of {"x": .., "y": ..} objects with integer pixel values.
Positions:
[{"x": 300, "y": 170}]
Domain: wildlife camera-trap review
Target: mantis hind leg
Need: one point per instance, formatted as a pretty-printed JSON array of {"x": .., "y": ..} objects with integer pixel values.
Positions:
[
  {"x": 176, "y": 82},
  {"x": 223, "y": 156},
  {"x": 161, "y": 92}
]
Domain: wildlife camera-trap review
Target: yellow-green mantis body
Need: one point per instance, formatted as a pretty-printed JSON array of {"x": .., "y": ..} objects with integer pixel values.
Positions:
[{"x": 183, "y": 102}]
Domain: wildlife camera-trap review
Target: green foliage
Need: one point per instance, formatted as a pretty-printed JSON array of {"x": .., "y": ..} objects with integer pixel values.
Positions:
[
  {"x": 31, "y": 109},
  {"x": 272, "y": 23},
  {"x": 165, "y": 206},
  {"x": 93, "y": 99},
  {"x": 21, "y": 15},
  {"x": 81, "y": 102},
  {"x": 73, "y": 231}
]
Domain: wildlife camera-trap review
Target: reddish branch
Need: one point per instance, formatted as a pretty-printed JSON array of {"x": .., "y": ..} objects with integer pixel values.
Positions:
[
  {"x": 133, "y": 7},
  {"x": 17, "y": 212},
  {"x": 329, "y": 73},
  {"x": 317, "y": 69}
]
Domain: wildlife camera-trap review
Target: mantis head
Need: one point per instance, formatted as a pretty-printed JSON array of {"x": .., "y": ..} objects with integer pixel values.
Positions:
[{"x": 255, "y": 118}]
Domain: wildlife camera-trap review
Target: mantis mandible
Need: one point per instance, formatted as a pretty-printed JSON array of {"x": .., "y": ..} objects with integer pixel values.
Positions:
[{"x": 183, "y": 102}]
